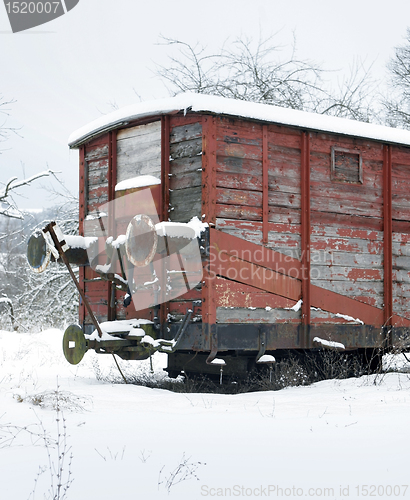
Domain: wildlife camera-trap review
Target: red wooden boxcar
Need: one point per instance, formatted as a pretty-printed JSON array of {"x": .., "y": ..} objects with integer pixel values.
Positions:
[{"x": 309, "y": 225}]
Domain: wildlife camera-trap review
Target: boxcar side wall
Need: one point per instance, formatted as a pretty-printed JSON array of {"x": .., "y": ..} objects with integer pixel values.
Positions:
[{"x": 347, "y": 193}]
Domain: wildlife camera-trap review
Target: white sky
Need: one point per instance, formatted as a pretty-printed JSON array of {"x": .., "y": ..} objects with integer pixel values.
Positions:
[{"x": 65, "y": 73}]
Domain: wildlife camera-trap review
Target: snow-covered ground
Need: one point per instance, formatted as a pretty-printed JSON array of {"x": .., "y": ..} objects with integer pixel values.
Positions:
[{"x": 334, "y": 439}]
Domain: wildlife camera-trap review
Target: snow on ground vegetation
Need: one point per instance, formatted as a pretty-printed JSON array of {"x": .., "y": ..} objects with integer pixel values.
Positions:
[{"x": 72, "y": 425}]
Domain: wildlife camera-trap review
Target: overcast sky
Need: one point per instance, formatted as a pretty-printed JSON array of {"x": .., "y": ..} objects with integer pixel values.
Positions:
[{"x": 66, "y": 73}]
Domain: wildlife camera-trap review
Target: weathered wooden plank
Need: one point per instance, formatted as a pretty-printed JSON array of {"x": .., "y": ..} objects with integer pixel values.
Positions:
[
  {"x": 98, "y": 178},
  {"x": 346, "y": 206},
  {"x": 354, "y": 192},
  {"x": 401, "y": 262},
  {"x": 185, "y": 132},
  {"x": 400, "y": 248},
  {"x": 239, "y": 131},
  {"x": 284, "y": 215},
  {"x": 234, "y": 165},
  {"x": 318, "y": 316},
  {"x": 131, "y": 150},
  {"x": 346, "y": 220},
  {"x": 403, "y": 292},
  {"x": 288, "y": 133},
  {"x": 185, "y": 204},
  {"x": 283, "y": 160},
  {"x": 401, "y": 275},
  {"x": 238, "y": 212},
  {"x": 252, "y": 182},
  {"x": 186, "y": 165},
  {"x": 246, "y": 198},
  {"x": 239, "y": 181},
  {"x": 344, "y": 273},
  {"x": 96, "y": 152},
  {"x": 138, "y": 160},
  {"x": 326, "y": 231},
  {"x": 143, "y": 133},
  {"x": 401, "y": 238},
  {"x": 284, "y": 184},
  {"x": 368, "y": 261},
  {"x": 250, "y": 315},
  {"x": 400, "y": 214},
  {"x": 351, "y": 289},
  {"x": 96, "y": 197},
  {"x": 235, "y": 150},
  {"x": 400, "y": 171},
  {"x": 232, "y": 294},
  {"x": 187, "y": 180},
  {"x": 353, "y": 245},
  {"x": 286, "y": 241},
  {"x": 283, "y": 199},
  {"x": 239, "y": 197},
  {"x": 139, "y": 151},
  {"x": 186, "y": 149},
  {"x": 97, "y": 165}
]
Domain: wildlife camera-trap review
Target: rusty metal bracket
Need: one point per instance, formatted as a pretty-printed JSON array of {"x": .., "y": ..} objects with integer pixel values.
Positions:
[
  {"x": 262, "y": 344},
  {"x": 169, "y": 346},
  {"x": 214, "y": 344}
]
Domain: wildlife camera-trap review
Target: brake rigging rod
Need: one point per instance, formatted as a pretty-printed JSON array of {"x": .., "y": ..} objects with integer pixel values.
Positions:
[{"x": 59, "y": 246}]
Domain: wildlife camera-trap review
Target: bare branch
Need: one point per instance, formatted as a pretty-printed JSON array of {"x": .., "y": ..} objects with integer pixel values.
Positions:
[
  {"x": 8, "y": 209},
  {"x": 5, "y": 111}
]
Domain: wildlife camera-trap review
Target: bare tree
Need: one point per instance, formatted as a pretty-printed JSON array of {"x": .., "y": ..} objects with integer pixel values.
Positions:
[
  {"x": 260, "y": 72},
  {"x": 29, "y": 299},
  {"x": 398, "y": 103}
]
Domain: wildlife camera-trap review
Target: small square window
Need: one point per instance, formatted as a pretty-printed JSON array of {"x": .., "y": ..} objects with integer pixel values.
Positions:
[{"x": 346, "y": 166}]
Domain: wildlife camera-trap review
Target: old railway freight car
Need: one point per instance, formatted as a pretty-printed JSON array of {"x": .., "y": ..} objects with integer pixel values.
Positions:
[{"x": 305, "y": 224}]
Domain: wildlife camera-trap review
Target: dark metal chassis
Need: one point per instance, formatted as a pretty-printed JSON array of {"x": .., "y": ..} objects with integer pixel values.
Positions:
[{"x": 239, "y": 344}]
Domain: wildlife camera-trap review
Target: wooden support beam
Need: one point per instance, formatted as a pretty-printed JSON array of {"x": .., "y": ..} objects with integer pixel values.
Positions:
[
  {"x": 305, "y": 229},
  {"x": 165, "y": 168},
  {"x": 164, "y": 207},
  {"x": 112, "y": 181},
  {"x": 81, "y": 217},
  {"x": 265, "y": 185},
  {"x": 387, "y": 235}
]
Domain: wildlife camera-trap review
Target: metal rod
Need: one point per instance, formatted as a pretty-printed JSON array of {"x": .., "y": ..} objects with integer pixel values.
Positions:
[
  {"x": 119, "y": 369},
  {"x": 50, "y": 229}
]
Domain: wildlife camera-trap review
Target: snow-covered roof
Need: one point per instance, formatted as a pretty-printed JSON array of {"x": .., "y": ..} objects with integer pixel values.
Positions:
[{"x": 244, "y": 109}]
